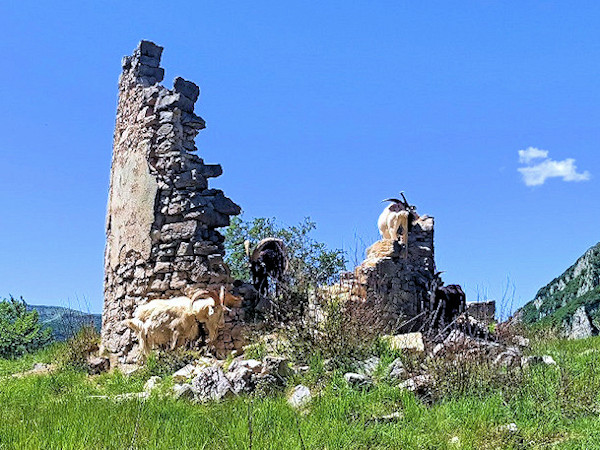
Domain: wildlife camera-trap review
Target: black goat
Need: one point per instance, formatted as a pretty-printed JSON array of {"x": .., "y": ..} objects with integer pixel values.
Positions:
[
  {"x": 268, "y": 260},
  {"x": 453, "y": 302}
]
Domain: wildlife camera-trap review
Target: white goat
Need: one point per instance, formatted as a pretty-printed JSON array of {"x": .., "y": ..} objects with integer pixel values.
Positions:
[
  {"x": 399, "y": 215},
  {"x": 394, "y": 217},
  {"x": 173, "y": 322}
]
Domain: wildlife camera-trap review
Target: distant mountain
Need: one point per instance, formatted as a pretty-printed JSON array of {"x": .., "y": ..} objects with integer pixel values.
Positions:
[
  {"x": 65, "y": 322},
  {"x": 571, "y": 301}
]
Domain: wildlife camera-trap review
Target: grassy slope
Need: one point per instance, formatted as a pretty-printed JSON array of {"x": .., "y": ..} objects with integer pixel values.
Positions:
[{"x": 552, "y": 406}]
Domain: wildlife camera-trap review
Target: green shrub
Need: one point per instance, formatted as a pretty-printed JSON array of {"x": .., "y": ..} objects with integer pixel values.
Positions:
[
  {"x": 20, "y": 330},
  {"x": 310, "y": 262},
  {"x": 75, "y": 351}
]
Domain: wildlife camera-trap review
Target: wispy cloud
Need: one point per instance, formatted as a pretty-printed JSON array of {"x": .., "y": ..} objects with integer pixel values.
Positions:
[{"x": 539, "y": 167}]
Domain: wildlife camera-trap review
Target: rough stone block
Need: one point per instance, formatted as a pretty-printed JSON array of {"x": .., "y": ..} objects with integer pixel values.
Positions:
[{"x": 187, "y": 88}]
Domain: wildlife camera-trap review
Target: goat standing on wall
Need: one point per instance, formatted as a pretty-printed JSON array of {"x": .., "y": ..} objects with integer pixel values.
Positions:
[
  {"x": 268, "y": 260},
  {"x": 397, "y": 218}
]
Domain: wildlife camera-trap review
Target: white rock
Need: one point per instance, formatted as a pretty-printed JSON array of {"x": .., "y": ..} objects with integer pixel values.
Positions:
[
  {"x": 358, "y": 380},
  {"x": 183, "y": 391},
  {"x": 211, "y": 384},
  {"x": 547, "y": 360},
  {"x": 408, "y": 341},
  {"x": 417, "y": 383},
  {"x": 185, "y": 373},
  {"x": 396, "y": 369},
  {"x": 151, "y": 384},
  {"x": 300, "y": 397}
]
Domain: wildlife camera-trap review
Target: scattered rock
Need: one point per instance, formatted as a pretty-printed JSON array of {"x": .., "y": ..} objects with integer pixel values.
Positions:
[
  {"x": 211, "y": 384},
  {"x": 581, "y": 327},
  {"x": 368, "y": 366},
  {"x": 358, "y": 380},
  {"x": 241, "y": 379},
  {"x": 300, "y": 397},
  {"x": 417, "y": 383},
  {"x": 547, "y": 360},
  {"x": 122, "y": 397},
  {"x": 152, "y": 383},
  {"x": 185, "y": 373},
  {"x": 184, "y": 391},
  {"x": 97, "y": 364},
  {"x": 408, "y": 341},
  {"x": 508, "y": 358},
  {"x": 396, "y": 370},
  {"x": 276, "y": 366},
  {"x": 129, "y": 369},
  {"x": 38, "y": 369},
  {"x": 252, "y": 364}
]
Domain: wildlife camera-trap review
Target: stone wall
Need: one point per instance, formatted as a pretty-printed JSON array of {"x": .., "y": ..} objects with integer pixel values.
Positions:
[
  {"x": 397, "y": 278},
  {"x": 162, "y": 216}
]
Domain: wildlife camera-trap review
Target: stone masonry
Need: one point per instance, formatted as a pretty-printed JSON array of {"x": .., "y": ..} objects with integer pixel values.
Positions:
[
  {"x": 399, "y": 283},
  {"x": 162, "y": 216}
]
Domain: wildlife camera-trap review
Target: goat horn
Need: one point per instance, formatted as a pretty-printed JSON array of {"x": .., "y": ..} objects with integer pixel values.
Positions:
[
  {"x": 405, "y": 201},
  {"x": 395, "y": 200}
]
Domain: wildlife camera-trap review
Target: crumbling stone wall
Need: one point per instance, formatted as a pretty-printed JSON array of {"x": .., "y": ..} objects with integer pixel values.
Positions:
[
  {"x": 162, "y": 216},
  {"x": 397, "y": 280}
]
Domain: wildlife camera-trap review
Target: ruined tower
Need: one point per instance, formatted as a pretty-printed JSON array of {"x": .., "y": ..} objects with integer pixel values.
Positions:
[{"x": 161, "y": 236}]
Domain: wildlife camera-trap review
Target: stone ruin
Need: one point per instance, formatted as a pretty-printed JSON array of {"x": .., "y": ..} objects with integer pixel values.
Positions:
[
  {"x": 162, "y": 217},
  {"x": 397, "y": 277}
]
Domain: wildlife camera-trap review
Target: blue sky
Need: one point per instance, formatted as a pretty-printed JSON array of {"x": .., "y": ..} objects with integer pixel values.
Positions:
[{"x": 317, "y": 109}]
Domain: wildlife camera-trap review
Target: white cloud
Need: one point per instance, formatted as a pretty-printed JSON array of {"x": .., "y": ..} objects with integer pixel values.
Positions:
[
  {"x": 531, "y": 153},
  {"x": 537, "y": 174}
]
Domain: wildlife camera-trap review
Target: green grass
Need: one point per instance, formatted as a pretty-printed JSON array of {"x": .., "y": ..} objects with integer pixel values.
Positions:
[{"x": 553, "y": 408}]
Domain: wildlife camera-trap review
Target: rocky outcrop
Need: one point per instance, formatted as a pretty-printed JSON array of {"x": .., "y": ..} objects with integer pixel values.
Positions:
[
  {"x": 570, "y": 301},
  {"x": 162, "y": 217}
]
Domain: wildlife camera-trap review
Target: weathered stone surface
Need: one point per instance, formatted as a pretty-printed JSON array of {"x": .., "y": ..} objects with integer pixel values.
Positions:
[
  {"x": 161, "y": 216},
  {"x": 241, "y": 379},
  {"x": 211, "y": 384},
  {"x": 581, "y": 327},
  {"x": 276, "y": 366},
  {"x": 97, "y": 364},
  {"x": 358, "y": 380},
  {"x": 369, "y": 366},
  {"x": 547, "y": 360},
  {"x": 418, "y": 383},
  {"x": 407, "y": 341},
  {"x": 300, "y": 397},
  {"x": 482, "y": 311},
  {"x": 184, "y": 391},
  {"x": 152, "y": 383},
  {"x": 396, "y": 370},
  {"x": 185, "y": 373},
  {"x": 396, "y": 277}
]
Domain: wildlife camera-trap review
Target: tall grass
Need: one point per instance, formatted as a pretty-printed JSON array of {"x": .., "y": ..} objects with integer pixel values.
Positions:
[{"x": 554, "y": 407}]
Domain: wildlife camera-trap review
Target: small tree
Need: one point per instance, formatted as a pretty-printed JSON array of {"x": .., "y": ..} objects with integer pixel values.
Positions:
[
  {"x": 20, "y": 330},
  {"x": 310, "y": 262}
]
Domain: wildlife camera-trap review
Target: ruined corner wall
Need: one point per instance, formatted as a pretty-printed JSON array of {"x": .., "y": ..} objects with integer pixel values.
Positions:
[
  {"x": 161, "y": 236},
  {"x": 398, "y": 283}
]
